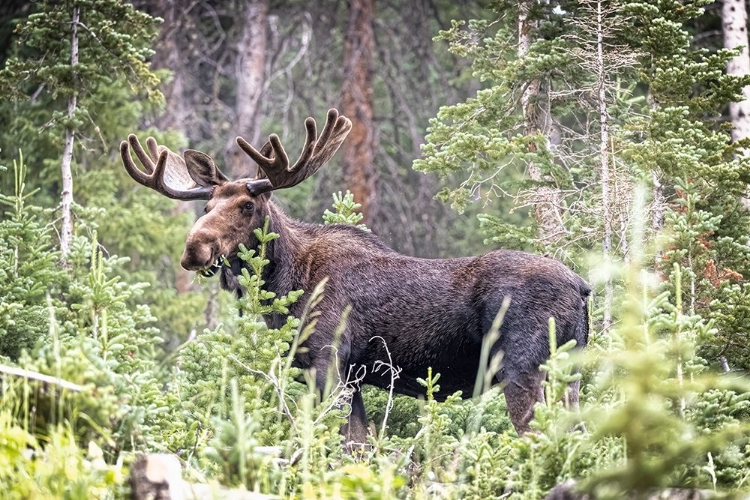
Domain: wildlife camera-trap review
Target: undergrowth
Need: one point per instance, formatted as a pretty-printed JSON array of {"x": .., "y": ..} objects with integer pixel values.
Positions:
[{"x": 229, "y": 404}]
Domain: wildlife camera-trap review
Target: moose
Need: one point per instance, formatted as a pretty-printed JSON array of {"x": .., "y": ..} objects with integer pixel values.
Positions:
[{"x": 425, "y": 313}]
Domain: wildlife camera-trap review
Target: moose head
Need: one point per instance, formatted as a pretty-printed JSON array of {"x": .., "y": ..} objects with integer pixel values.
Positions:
[{"x": 234, "y": 208}]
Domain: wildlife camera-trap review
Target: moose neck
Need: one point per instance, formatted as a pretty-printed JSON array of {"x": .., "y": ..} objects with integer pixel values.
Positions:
[{"x": 282, "y": 274}]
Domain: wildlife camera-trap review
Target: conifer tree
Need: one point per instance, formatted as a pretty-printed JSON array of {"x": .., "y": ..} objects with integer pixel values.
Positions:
[
  {"x": 27, "y": 269},
  {"x": 676, "y": 140},
  {"x": 70, "y": 50},
  {"x": 488, "y": 141}
]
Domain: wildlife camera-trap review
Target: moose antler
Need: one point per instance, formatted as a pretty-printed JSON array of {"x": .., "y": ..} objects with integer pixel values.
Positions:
[
  {"x": 315, "y": 153},
  {"x": 168, "y": 176}
]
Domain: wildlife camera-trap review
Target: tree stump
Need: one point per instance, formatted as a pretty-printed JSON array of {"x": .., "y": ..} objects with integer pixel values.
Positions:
[{"x": 159, "y": 477}]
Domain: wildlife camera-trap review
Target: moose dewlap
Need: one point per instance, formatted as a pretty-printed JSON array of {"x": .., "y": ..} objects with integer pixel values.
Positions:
[{"x": 426, "y": 312}]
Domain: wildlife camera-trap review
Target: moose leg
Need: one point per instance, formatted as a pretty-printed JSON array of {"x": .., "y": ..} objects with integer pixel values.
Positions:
[
  {"x": 355, "y": 429},
  {"x": 334, "y": 371},
  {"x": 522, "y": 392},
  {"x": 571, "y": 400}
]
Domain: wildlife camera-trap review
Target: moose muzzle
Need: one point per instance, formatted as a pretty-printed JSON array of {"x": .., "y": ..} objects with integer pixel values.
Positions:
[{"x": 200, "y": 253}]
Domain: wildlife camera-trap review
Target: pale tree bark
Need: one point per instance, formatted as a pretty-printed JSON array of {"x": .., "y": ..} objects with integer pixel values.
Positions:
[
  {"x": 360, "y": 175},
  {"x": 599, "y": 26},
  {"x": 734, "y": 23},
  {"x": 66, "y": 229},
  {"x": 546, "y": 199},
  {"x": 658, "y": 200},
  {"x": 605, "y": 163},
  {"x": 734, "y": 16},
  {"x": 250, "y": 76}
]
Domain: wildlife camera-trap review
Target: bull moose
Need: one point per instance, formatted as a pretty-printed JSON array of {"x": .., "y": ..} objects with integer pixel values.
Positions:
[{"x": 427, "y": 312}]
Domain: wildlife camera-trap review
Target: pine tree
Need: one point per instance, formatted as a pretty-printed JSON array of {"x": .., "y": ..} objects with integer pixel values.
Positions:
[
  {"x": 491, "y": 143},
  {"x": 28, "y": 270},
  {"x": 676, "y": 141},
  {"x": 70, "y": 50}
]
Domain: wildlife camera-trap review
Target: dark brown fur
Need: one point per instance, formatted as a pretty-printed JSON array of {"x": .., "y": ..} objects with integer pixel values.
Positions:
[{"x": 430, "y": 312}]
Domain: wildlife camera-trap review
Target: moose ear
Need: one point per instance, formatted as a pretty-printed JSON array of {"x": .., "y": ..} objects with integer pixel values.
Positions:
[{"x": 202, "y": 169}]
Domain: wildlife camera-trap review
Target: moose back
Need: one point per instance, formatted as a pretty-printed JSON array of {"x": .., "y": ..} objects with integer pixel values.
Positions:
[{"x": 412, "y": 313}]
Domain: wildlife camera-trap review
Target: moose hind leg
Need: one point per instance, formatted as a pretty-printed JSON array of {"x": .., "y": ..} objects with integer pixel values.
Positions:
[
  {"x": 571, "y": 402},
  {"x": 571, "y": 398},
  {"x": 521, "y": 394}
]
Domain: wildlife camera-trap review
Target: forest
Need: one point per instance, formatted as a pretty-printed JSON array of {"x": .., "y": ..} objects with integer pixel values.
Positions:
[{"x": 610, "y": 135}]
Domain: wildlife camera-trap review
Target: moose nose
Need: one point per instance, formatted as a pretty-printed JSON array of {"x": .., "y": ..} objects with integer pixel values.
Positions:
[{"x": 198, "y": 256}]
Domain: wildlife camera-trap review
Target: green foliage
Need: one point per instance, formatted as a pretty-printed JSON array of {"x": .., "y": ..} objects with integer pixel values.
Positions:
[
  {"x": 233, "y": 407},
  {"x": 28, "y": 269},
  {"x": 100, "y": 343},
  {"x": 704, "y": 177},
  {"x": 484, "y": 126},
  {"x": 58, "y": 468},
  {"x": 44, "y": 92},
  {"x": 662, "y": 390},
  {"x": 112, "y": 34},
  {"x": 346, "y": 211},
  {"x": 252, "y": 345},
  {"x": 246, "y": 398},
  {"x": 110, "y": 80}
]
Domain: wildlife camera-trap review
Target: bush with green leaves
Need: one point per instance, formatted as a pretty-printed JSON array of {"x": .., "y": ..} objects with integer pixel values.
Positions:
[
  {"x": 77, "y": 324},
  {"x": 96, "y": 341},
  {"x": 55, "y": 468}
]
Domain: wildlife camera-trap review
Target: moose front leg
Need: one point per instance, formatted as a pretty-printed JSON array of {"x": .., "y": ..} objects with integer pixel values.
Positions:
[
  {"x": 355, "y": 429},
  {"x": 333, "y": 374}
]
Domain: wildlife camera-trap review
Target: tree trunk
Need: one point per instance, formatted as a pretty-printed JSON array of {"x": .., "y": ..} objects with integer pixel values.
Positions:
[
  {"x": 66, "y": 231},
  {"x": 250, "y": 73},
  {"x": 734, "y": 15},
  {"x": 604, "y": 157},
  {"x": 546, "y": 199},
  {"x": 171, "y": 54},
  {"x": 356, "y": 103}
]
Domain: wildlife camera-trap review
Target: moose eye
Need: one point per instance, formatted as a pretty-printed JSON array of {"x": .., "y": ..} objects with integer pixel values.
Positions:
[{"x": 248, "y": 207}]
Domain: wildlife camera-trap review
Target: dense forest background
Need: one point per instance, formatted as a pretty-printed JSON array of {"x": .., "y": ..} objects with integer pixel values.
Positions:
[{"x": 611, "y": 135}]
